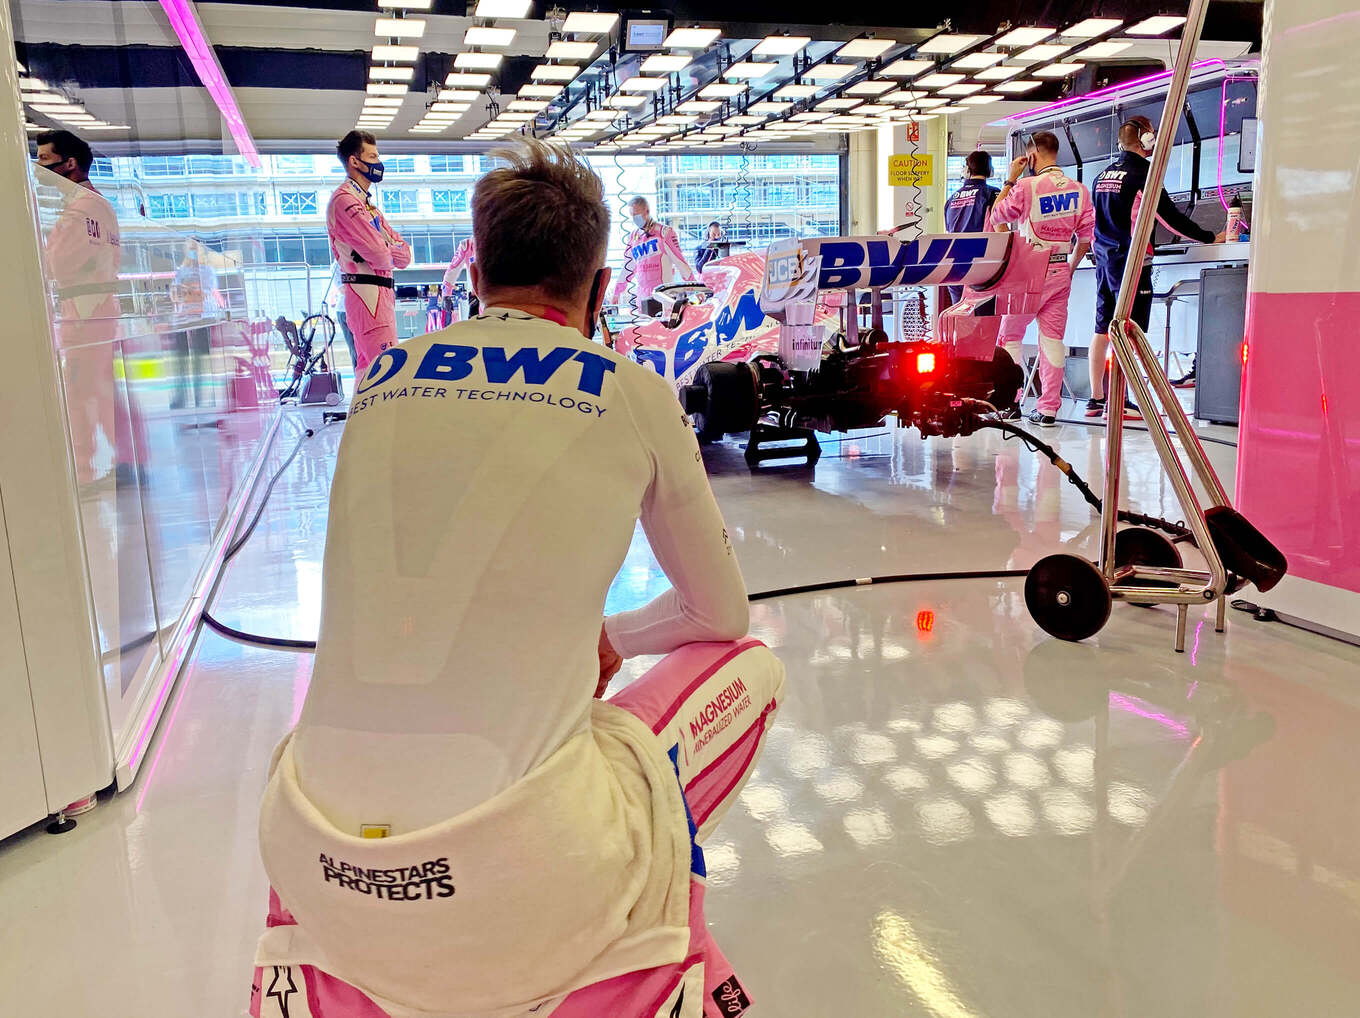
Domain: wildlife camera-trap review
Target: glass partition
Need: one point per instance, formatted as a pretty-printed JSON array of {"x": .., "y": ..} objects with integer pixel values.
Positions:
[{"x": 164, "y": 360}]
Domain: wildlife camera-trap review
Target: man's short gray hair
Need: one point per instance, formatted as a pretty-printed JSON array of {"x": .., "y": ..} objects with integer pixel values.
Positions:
[{"x": 539, "y": 220}]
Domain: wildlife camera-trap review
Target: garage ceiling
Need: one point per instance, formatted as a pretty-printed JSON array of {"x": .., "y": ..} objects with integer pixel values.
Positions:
[{"x": 300, "y": 72}]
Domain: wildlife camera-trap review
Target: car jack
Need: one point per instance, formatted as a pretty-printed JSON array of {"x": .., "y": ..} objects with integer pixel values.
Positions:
[{"x": 761, "y": 445}]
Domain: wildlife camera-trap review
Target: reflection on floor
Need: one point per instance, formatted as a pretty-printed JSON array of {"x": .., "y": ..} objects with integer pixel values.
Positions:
[{"x": 955, "y": 815}]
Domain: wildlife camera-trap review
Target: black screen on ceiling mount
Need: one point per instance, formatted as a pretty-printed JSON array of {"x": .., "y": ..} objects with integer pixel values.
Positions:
[{"x": 645, "y": 35}]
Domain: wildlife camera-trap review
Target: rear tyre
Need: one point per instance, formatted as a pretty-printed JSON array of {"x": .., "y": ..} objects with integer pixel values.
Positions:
[{"x": 730, "y": 403}]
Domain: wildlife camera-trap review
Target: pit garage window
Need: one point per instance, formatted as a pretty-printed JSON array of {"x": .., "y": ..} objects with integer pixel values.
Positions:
[
  {"x": 394, "y": 201},
  {"x": 449, "y": 200},
  {"x": 447, "y": 164},
  {"x": 297, "y": 203},
  {"x": 167, "y": 206}
]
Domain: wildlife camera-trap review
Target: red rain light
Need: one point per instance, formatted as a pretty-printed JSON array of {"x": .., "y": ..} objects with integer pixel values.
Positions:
[
  {"x": 925, "y": 363},
  {"x": 1244, "y": 353},
  {"x": 925, "y": 620}
]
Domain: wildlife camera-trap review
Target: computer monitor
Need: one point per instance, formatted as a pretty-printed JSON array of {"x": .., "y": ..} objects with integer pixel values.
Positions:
[{"x": 645, "y": 35}]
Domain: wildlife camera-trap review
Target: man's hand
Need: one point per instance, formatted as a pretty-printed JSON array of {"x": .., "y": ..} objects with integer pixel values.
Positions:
[
  {"x": 1018, "y": 167},
  {"x": 1221, "y": 238},
  {"x": 610, "y": 662}
]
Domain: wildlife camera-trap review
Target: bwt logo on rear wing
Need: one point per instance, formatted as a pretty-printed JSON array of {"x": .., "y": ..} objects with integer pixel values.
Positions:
[{"x": 847, "y": 263}]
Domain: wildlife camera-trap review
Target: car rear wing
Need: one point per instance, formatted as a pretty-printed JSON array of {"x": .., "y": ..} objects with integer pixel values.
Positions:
[{"x": 797, "y": 270}]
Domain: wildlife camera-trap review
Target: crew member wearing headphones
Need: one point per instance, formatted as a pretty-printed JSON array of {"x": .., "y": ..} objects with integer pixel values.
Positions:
[
  {"x": 1117, "y": 194},
  {"x": 968, "y": 207},
  {"x": 366, "y": 248}
]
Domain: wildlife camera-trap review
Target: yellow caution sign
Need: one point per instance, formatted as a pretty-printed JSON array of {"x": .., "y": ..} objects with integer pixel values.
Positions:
[{"x": 908, "y": 170}]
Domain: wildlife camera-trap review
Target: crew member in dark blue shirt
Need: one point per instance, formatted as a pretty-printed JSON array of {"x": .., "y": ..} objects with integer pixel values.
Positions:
[
  {"x": 1117, "y": 195},
  {"x": 968, "y": 207},
  {"x": 707, "y": 251}
]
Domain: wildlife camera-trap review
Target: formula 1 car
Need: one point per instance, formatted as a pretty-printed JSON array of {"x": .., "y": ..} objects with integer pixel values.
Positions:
[{"x": 773, "y": 345}]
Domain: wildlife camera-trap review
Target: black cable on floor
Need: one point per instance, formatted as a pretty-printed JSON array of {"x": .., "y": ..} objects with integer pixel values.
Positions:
[
  {"x": 254, "y": 639},
  {"x": 1177, "y": 530},
  {"x": 873, "y": 581},
  {"x": 1007, "y": 428}
]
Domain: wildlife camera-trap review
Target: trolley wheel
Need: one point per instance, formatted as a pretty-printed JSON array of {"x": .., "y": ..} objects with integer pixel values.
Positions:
[
  {"x": 730, "y": 403},
  {"x": 1142, "y": 546},
  {"x": 1067, "y": 596}
]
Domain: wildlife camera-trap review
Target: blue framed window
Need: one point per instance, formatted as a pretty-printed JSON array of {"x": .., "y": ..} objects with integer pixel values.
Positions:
[
  {"x": 167, "y": 206},
  {"x": 163, "y": 166},
  {"x": 446, "y": 164},
  {"x": 394, "y": 201},
  {"x": 297, "y": 203},
  {"x": 449, "y": 200}
]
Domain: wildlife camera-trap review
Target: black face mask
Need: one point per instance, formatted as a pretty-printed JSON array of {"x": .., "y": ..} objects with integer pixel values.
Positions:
[
  {"x": 53, "y": 168},
  {"x": 590, "y": 303}
]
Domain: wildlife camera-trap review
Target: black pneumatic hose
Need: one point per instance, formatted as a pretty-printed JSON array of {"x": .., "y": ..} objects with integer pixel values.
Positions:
[
  {"x": 1177, "y": 530},
  {"x": 286, "y": 643}
]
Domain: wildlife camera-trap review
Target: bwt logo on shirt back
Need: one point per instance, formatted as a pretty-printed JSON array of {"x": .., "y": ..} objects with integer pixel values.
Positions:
[
  {"x": 448, "y": 362},
  {"x": 1049, "y": 204}
]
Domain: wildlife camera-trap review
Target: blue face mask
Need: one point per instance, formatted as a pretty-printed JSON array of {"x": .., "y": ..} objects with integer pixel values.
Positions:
[{"x": 373, "y": 172}]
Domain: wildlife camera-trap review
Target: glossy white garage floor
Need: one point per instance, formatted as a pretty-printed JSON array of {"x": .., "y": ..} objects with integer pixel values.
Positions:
[{"x": 955, "y": 815}]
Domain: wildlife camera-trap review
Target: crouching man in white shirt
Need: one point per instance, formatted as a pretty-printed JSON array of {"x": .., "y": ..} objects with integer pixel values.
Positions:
[{"x": 459, "y": 825}]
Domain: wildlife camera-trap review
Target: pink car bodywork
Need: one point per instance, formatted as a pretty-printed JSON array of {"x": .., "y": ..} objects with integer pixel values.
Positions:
[
  {"x": 729, "y": 326},
  {"x": 1002, "y": 274}
]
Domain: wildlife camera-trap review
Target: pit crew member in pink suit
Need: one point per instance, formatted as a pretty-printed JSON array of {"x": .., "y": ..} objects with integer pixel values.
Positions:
[
  {"x": 651, "y": 256},
  {"x": 463, "y": 258},
  {"x": 83, "y": 257},
  {"x": 366, "y": 248},
  {"x": 1055, "y": 212}
]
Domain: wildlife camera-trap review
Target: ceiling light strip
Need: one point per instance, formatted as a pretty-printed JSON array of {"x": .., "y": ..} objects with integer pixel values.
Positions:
[{"x": 184, "y": 20}]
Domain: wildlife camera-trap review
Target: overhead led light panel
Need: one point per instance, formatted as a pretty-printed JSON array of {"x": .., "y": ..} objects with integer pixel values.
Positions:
[
  {"x": 479, "y": 36},
  {"x": 661, "y": 63},
  {"x": 399, "y": 28},
  {"x": 750, "y": 69},
  {"x": 949, "y": 43},
  {"x": 1024, "y": 36},
  {"x": 1091, "y": 27},
  {"x": 396, "y": 53},
  {"x": 865, "y": 49},
  {"x": 1045, "y": 52},
  {"x": 503, "y": 8},
  {"x": 465, "y": 79},
  {"x": 588, "y": 23},
  {"x": 1057, "y": 70},
  {"x": 829, "y": 72},
  {"x": 692, "y": 38},
  {"x": 478, "y": 61},
  {"x": 1156, "y": 26},
  {"x": 571, "y": 50},
  {"x": 553, "y": 72},
  {"x": 781, "y": 45},
  {"x": 906, "y": 68}
]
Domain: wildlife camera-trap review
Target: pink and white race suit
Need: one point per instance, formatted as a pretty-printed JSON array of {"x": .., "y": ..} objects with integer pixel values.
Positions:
[
  {"x": 367, "y": 250},
  {"x": 651, "y": 256},
  {"x": 1051, "y": 210},
  {"x": 464, "y": 258}
]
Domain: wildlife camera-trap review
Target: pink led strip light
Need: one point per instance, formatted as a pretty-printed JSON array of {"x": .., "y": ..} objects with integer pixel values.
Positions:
[{"x": 184, "y": 20}]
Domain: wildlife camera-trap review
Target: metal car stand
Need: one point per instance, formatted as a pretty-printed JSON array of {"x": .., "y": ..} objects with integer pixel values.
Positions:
[{"x": 1068, "y": 596}]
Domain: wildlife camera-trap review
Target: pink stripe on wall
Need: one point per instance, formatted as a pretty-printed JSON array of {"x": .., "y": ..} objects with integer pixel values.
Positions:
[{"x": 1298, "y": 461}]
